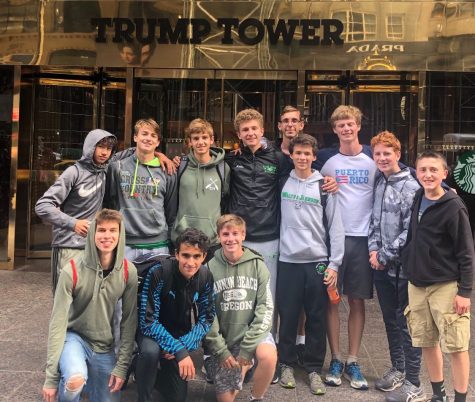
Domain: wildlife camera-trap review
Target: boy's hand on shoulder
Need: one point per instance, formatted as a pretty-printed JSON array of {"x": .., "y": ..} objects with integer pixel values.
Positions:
[
  {"x": 461, "y": 304},
  {"x": 330, "y": 185},
  {"x": 177, "y": 161},
  {"x": 167, "y": 165},
  {"x": 81, "y": 227},
  {"x": 186, "y": 368},
  {"x": 49, "y": 394}
]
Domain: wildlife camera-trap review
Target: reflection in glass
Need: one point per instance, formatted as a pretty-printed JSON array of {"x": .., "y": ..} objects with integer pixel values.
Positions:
[{"x": 6, "y": 104}]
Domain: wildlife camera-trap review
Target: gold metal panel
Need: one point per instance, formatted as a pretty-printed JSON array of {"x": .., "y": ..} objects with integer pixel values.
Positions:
[{"x": 417, "y": 35}]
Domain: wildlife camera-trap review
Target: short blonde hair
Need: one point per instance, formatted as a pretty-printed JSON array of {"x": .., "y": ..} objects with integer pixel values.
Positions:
[
  {"x": 147, "y": 122},
  {"x": 231, "y": 220},
  {"x": 344, "y": 112},
  {"x": 199, "y": 126},
  {"x": 289, "y": 109},
  {"x": 387, "y": 139},
  {"x": 248, "y": 115}
]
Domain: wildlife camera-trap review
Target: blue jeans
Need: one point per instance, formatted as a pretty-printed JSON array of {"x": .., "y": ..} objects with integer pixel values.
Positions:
[
  {"x": 393, "y": 301},
  {"x": 78, "y": 359}
]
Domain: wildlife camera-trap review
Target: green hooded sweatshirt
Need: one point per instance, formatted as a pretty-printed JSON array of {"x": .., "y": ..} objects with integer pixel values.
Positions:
[
  {"x": 199, "y": 195},
  {"x": 89, "y": 309},
  {"x": 243, "y": 303}
]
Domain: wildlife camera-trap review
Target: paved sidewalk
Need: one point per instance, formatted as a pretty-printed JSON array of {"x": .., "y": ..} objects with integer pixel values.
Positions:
[{"x": 26, "y": 301}]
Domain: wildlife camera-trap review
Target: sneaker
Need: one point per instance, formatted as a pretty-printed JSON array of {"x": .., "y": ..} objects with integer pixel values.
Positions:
[
  {"x": 407, "y": 392},
  {"x": 276, "y": 377},
  {"x": 252, "y": 399},
  {"x": 438, "y": 398},
  {"x": 287, "y": 379},
  {"x": 335, "y": 372},
  {"x": 300, "y": 348},
  {"x": 390, "y": 380},
  {"x": 316, "y": 384},
  {"x": 353, "y": 375}
]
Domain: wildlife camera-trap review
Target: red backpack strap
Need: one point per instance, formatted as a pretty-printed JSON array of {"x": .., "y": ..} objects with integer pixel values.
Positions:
[
  {"x": 75, "y": 274},
  {"x": 126, "y": 270}
]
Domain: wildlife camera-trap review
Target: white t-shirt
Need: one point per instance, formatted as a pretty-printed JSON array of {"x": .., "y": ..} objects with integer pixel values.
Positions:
[{"x": 355, "y": 176}]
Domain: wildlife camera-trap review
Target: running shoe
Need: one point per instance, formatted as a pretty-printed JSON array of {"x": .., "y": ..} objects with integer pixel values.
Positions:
[
  {"x": 353, "y": 374},
  {"x": 334, "y": 373}
]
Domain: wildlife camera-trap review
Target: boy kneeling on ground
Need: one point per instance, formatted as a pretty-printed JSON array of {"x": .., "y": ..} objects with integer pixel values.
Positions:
[
  {"x": 244, "y": 308},
  {"x": 80, "y": 341}
]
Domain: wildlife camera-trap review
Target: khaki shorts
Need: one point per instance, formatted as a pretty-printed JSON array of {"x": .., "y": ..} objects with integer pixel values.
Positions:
[{"x": 431, "y": 318}]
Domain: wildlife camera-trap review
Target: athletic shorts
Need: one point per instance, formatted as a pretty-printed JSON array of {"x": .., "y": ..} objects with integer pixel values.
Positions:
[
  {"x": 228, "y": 380},
  {"x": 355, "y": 276},
  {"x": 431, "y": 318}
]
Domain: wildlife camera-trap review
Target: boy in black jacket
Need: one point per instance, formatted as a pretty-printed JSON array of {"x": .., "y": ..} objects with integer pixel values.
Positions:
[
  {"x": 439, "y": 258},
  {"x": 166, "y": 334}
]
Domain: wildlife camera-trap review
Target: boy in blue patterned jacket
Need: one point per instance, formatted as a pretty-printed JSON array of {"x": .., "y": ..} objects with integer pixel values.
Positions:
[{"x": 166, "y": 334}]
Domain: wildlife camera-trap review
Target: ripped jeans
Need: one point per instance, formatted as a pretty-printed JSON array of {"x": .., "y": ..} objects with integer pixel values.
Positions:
[{"x": 78, "y": 359}]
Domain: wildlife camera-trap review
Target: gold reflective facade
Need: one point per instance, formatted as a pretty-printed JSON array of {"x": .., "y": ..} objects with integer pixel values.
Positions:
[{"x": 376, "y": 35}]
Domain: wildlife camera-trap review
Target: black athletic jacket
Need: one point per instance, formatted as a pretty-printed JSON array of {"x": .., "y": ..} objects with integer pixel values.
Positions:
[
  {"x": 439, "y": 248},
  {"x": 166, "y": 304},
  {"x": 254, "y": 191}
]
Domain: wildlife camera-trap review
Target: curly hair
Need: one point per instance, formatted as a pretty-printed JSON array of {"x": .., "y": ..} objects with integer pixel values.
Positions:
[
  {"x": 193, "y": 237},
  {"x": 387, "y": 139},
  {"x": 248, "y": 115}
]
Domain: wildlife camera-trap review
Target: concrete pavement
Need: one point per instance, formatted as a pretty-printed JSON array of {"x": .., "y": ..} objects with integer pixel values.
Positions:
[{"x": 25, "y": 307}]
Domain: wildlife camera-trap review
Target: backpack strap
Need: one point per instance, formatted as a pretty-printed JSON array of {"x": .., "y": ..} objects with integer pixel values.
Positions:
[
  {"x": 75, "y": 275},
  {"x": 126, "y": 270}
]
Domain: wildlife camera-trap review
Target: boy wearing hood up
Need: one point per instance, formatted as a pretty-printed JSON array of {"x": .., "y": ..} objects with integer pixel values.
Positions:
[
  {"x": 244, "y": 309},
  {"x": 203, "y": 181},
  {"x": 80, "y": 341},
  {"x": 72, "y": 201},
  {"x": 144, "y": 194},
  {"x": 306, "y": 265}
]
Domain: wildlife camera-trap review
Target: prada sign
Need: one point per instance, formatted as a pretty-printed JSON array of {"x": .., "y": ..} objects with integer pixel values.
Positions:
[{"x": 251, "y": 31}]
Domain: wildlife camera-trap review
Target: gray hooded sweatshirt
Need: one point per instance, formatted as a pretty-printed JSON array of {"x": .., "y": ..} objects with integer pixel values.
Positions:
[
  {"x": 76, "y": 194},
  {"x": 302, "y": 233}
]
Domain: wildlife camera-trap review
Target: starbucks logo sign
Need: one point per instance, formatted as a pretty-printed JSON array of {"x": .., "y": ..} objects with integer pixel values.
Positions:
[{"x": 464, "y": 172}]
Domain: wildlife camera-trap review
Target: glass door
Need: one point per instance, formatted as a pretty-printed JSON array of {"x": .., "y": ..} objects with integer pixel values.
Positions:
[
  {"x": 64, "y": 108},
  {"x": 388, "y": 102}
]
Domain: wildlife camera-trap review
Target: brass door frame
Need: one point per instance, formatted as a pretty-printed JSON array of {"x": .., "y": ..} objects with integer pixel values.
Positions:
[
  {"x": 82, "y": 78},
  {"x": 12, "y": 211}
]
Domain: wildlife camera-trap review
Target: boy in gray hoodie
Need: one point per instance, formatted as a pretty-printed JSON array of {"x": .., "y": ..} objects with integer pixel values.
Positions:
[
  {"x": 72, "y": 201},
  {"x": 144, "y": 194},
  {"x": 241, "y": 330},
  {"x": 80, "y": 341},
  {"x": 306, "y": 265}
]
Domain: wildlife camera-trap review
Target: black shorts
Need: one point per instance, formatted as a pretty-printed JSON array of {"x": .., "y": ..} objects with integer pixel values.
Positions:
[{"x": 355, "y": 276}]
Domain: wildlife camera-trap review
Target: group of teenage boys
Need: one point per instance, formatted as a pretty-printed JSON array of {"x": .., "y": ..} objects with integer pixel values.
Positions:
[{"x": 286, "y": 236}]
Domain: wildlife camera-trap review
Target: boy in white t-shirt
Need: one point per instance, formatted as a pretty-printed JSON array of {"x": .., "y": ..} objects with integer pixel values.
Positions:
[{"x": 354, "y": 169}]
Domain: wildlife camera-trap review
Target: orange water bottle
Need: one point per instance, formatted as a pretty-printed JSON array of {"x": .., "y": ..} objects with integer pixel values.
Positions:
[{"x": 333, "y": 294}]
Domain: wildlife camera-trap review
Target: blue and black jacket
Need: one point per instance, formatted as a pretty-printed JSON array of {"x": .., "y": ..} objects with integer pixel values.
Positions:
[{"x": 166, "y": 306}]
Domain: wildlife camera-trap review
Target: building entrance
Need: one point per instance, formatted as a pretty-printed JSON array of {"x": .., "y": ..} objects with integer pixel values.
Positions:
[
  {"x": 58, "y": 109},
  {"x": 388, "y": 101}
]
